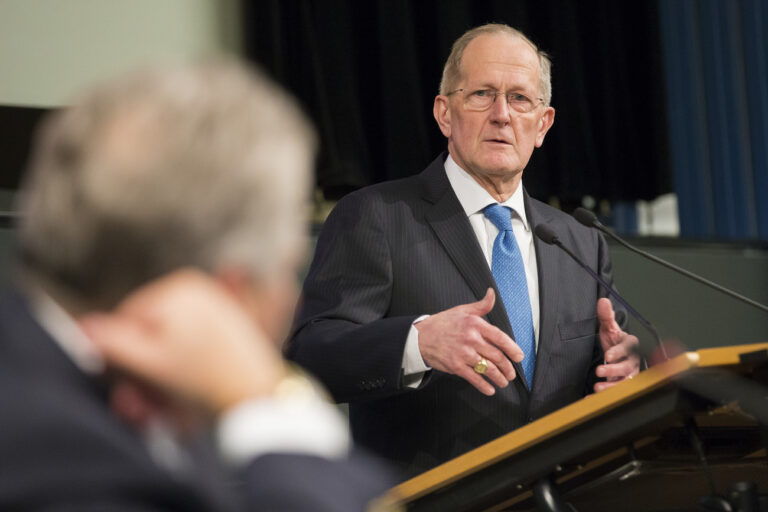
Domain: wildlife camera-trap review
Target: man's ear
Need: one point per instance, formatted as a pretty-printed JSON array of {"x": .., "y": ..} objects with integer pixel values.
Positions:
[
  {"x": 545, "y": 123},
  {"x": 442, "y": 112},
  {"x": 234, "y": 281}
]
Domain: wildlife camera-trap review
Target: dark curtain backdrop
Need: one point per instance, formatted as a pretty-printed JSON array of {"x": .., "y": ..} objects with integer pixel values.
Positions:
[
  {"x": 17, "y": 128},
  {"x": 368, "y": 71},
  {"x": 716, "y": 55}
]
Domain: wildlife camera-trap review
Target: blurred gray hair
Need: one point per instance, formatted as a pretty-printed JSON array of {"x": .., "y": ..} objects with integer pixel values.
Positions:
[
  {"x": 453, "y": 73},
  {"x": 204, "y": 165}
]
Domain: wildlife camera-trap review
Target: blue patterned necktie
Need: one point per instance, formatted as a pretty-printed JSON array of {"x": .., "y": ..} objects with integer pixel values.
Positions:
[{"x": 509, "y": 274}]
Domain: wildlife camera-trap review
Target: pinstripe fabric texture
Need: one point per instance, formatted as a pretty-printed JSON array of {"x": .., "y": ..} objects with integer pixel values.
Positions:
[
  {"x": 394, "y": 251},
  {"x": 509, "y": 274}
]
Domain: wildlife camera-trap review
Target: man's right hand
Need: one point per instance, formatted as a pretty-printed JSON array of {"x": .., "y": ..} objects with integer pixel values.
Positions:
[{"x": 454, "y": 340}]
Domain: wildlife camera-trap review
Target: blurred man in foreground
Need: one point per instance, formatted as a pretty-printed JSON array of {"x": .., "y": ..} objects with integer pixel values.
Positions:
[{"x": 200, "y": 166}]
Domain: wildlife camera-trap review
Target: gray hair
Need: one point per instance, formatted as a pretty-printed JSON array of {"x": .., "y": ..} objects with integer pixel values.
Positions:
[
  {"x": 453, "y": 73},
  {"x": 204, "y": 165}
]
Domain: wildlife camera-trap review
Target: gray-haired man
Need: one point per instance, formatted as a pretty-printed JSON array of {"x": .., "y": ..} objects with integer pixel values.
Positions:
[
  {"x": 431, "y": 308},
  {"x": 202, "y": 167}
]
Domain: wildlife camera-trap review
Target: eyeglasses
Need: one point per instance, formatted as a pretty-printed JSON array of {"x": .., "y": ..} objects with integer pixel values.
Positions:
[{"x": 482, "y": 99}]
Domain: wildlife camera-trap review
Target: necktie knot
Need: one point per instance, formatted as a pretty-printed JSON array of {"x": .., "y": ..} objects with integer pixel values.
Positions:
[{"x": 501, "y": 216}]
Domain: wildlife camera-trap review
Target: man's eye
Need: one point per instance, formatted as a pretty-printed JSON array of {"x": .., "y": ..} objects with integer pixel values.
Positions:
[
  {"x": 482, "y": 93},
  {"x": 518, "y": 98}
]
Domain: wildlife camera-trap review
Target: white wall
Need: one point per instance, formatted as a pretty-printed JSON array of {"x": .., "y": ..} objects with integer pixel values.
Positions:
[{"x": 51, "y": 48}]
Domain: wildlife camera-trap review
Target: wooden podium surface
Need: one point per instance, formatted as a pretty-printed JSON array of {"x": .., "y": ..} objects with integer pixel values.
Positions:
[{"x": 637, "y": 432}]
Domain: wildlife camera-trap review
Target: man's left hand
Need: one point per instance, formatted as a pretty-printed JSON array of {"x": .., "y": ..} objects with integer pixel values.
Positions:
[{"x": 619, "y": 348}]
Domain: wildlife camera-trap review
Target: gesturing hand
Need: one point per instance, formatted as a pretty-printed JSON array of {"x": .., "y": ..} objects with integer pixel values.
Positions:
[
  {"x": 619, "y": 349},
  {"x": 453, "y": 340}
]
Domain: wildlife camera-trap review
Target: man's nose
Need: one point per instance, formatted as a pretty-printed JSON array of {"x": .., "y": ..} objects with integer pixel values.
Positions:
[{"x": 500, "y": 109}]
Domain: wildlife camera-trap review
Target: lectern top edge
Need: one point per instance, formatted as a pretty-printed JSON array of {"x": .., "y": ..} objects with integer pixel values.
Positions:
[{"x": 567, "y": 418}]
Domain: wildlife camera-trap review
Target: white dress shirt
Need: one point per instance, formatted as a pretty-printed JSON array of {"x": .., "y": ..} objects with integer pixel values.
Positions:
[
  {"x": 299, "y": 423},
  {"x": 474, "y": 198}
]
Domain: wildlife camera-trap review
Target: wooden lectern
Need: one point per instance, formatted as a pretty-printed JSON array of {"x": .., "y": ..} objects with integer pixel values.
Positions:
[{"x": 684, "y": 429}]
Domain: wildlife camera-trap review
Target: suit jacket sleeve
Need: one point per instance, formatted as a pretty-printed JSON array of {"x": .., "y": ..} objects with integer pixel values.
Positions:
[
  {"x": 342, "y": 332},
  {"x": 298, "y": 483}
]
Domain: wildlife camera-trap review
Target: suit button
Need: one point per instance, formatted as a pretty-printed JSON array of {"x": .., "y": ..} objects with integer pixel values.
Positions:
[{"x": 530, "y": 419}]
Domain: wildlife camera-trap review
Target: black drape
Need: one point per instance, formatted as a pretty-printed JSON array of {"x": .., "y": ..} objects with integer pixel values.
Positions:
[
  {"x": 367, "y": 72},
  {"x": 18, "y": 126}
]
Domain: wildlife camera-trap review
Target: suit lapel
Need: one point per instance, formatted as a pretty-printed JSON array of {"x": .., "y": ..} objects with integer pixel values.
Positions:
[
  {"x": 451, "y": 226},
  {"x": 547, "y": 261}
]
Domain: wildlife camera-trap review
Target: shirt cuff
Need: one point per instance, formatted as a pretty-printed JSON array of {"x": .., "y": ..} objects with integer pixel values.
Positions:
[
  {"x": 282, "y": 425},
  {"x": 413, "y": 364}
]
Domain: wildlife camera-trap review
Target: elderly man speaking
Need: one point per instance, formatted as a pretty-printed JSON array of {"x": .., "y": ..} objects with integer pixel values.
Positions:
[{"x": 431, "y": 308}]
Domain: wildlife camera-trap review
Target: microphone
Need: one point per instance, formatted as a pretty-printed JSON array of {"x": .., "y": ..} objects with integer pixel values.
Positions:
[
  {"x": 589, "y": 219},
  {"x": 549, "y": 237},
  {"x": 728, "y": 386}
]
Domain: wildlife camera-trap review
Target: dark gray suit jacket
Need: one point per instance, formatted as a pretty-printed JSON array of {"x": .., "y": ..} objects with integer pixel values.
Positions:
[
  {"x": 394, "y": 251},
  {"x": 61, "y": 448}
]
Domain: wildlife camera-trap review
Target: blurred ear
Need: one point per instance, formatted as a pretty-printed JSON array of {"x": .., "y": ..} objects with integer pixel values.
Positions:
[
  {"x": 254, "y": 298},
  {"x": 270, "y": 302},
  {"x": 545, "y": 123},
  {"x": 236, "y": 282},
  {"x": 442, "y": 112}
]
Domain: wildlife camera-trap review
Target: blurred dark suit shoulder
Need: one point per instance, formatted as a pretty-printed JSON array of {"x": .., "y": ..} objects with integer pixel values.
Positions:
[
  {"x": 61, "y": 445},
  {"x": 63, "y": 449}
]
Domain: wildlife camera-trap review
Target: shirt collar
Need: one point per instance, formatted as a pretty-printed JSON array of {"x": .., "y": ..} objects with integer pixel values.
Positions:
[
  {"x": 474, "y": 198},
  {"x": 65, "y": 332}
]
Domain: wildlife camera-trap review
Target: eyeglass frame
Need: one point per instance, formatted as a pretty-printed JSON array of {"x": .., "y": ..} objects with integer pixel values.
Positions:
[{"x": 539, "y": 101}]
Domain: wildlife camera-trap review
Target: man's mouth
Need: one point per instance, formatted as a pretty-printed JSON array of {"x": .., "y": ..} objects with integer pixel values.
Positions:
[{"x": 499, "y": 141}]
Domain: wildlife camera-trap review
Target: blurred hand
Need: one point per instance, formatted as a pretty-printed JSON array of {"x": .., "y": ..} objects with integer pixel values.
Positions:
[
  {"x": 619, "y": 349},
  {"x": 453, "y": 340},
  {"x": 185, "y": 335}
]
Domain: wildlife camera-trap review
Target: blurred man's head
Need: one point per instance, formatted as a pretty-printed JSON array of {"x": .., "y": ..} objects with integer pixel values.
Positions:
[
  {"x": 202, "y": 165},
  {"x": 493, "y": 105}
]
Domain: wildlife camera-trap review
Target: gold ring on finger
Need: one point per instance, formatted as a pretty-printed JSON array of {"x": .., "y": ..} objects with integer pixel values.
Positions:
[{"x": 481, "y": 366}]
